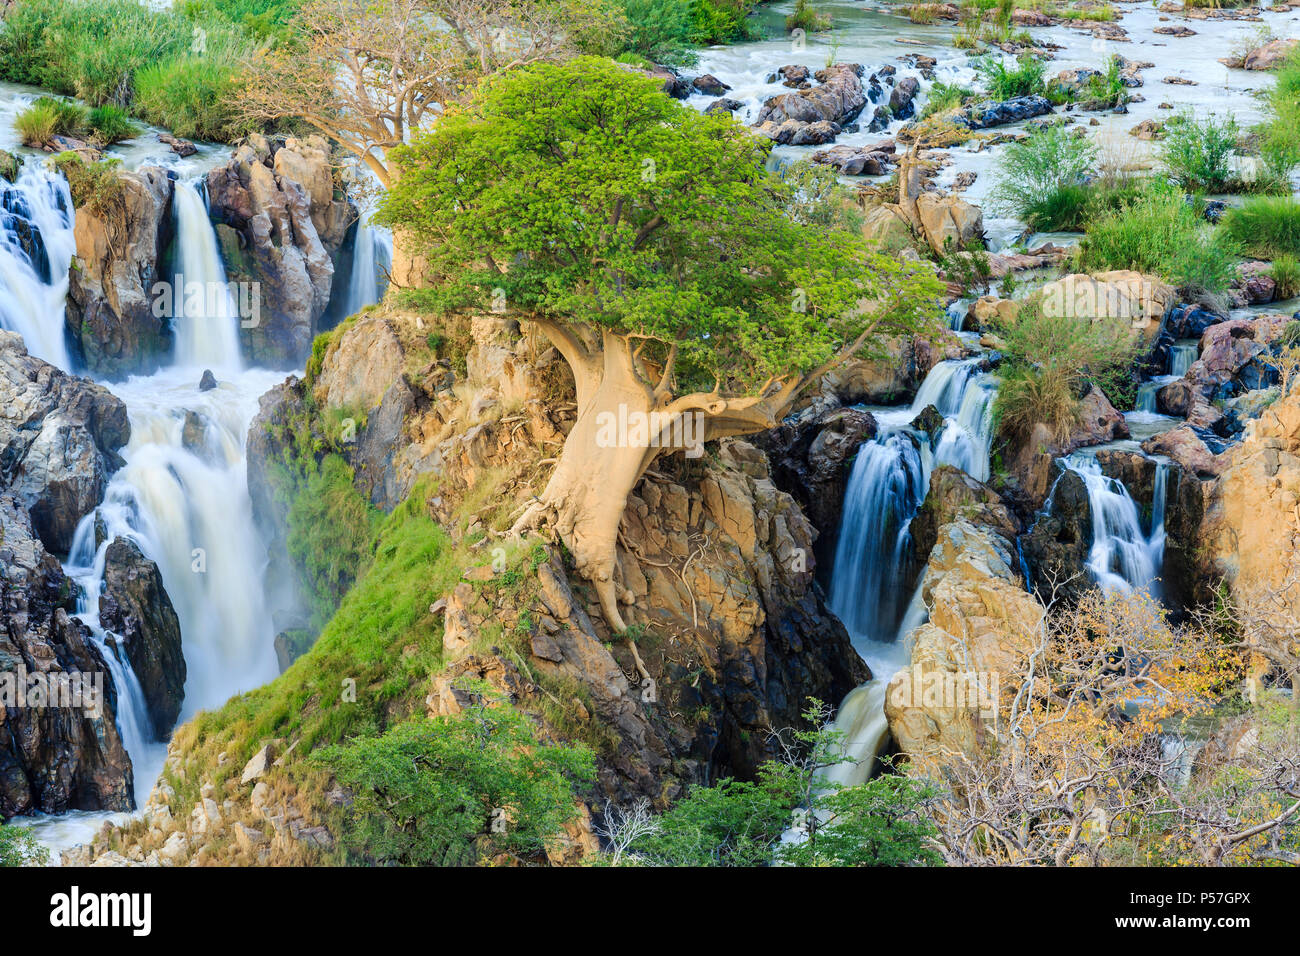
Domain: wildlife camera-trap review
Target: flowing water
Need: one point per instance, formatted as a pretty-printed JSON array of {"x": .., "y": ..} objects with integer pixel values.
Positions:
[
  {"x": 873, "y": 560},
  {"x": 206, "y": 316},
  {"x": 1123, "y": 557},
  {"x": 36, "y": 247}
]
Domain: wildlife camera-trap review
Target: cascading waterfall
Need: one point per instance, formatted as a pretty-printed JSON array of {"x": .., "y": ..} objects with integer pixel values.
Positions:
[
  {"x": 1123, "y": 558},
  {"x": 206, "y": 323},
  {"x": 887, "y": 486},
  {"x": 36, "y": 248},
  {"x": 372, "y": 256},
  {"x": 1181, "y": 356}
]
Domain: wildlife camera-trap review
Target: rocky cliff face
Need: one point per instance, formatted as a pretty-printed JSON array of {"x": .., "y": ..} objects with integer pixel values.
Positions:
[
  {"x": 59, "y": 437},
  {"x": 52, "y": 758},
  {"x": 110, "y": 314},
  {"x": 135, "y": 607},
  {"x": 278, "y": 224}
]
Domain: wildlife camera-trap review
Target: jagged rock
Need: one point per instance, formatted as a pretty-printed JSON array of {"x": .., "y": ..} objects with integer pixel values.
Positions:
[
  {"x": 59, "y": 437},
  {"x": 1056, "y": 546},
  {"x": 949, "y": 222},
  {"x": 134, "y": 605},
  {"x": 953, "y": 494},
  {"x": 810, "y": 457},
  {"x": 278, "y": 224},
  {"x": 1140, "y": 300},
  {"x": 1188, "y": 448},
  {"x": 982, "y": 622},
  {"x": 855, "y": 160},
  {"x": 9, "y": 166},
  {"x": 930, "y": 421},
  {"x": 989, "y": 114},
  {"x": 52, "y": 759},
  {"x": 207, "y": 381},
  {"x": 818, "y": 114},
  {"x": 724, "y": 105},
  {"x": 181, "y": 147},
  {"x": 902, "y": 98},
  {"x": 110, "y": 316},
  {"x": 362, "y": 364},
  {"x": 990, "y": 310}
]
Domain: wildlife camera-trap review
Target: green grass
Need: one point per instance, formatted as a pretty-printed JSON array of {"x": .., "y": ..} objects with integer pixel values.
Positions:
[
  {"x": 1158, "y": 232},
  {"x": 945, "y": 96},
  {"x": 1265, "y": 227},
  {"x": 1285, "y": 271},
  {"x": 1043, "y": 180},
  {"x": 1004, "y": 83},
  {"x": 192, "y": 97},
  {"x": 110, "y": 124}
]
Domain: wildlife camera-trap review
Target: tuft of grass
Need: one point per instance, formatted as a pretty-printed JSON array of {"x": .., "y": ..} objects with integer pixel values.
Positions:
[
  {"x": 1285, "y": 272},
  {"x": 37, "y": 124},
  {"x": 111, "y": 124},
  {"x": 944, "y": 97},
  {"x": 1266, "y": 227},
  {"x": 1003, "y": 82}
]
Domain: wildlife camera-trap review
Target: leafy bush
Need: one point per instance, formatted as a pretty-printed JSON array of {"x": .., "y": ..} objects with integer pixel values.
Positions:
[
  {"x": 458, "y": 791},
  {"x": 880, "y": 823},
  {"x": 1199, "y": 153},
  {"x": 95, "y": 187},
  {"x": 110, "y": 124},
  {"x": 1042, "y": 179},
  {"x": 18, "y": 847},
  {"x": 1265, "y": 226},
  {"x": 1159, "y": 232},
  {"x": 1004, "y": 83},
  {"x": 659, "y": 31},
  {"x": 806, "y": 18},
  {"x": 721, "y": 21}
]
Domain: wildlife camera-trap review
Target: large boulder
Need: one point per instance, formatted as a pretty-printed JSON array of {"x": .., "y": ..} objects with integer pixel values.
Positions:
[
  {"x": 52, "y": 758},
  {"x": 363, "y": 360},
  {"x": 953, "y": 494},
  {"x": 134, "y": 605},
  {"x": 112, "y": 324},
  {"x": 59, "y": 437},
  {"x": 1142, "y": 301},
  {"x": 949, "y": 223},
  {"x": 818, "y": 114},
  {"x": 1056, "y": 546},
  {"x": 990, "y": 113},
  {"x": 1269, "y": 56},
  {"x": 982, "y": 624},
  {"x": 273, "y": 231}
]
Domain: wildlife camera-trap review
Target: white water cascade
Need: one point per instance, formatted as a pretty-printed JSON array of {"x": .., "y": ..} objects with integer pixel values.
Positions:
[
  {"x": 206, "y": 313},
  {"x": 36, "y": 248},
  {"x": 1123, "y": 557},
  {"x": 372, "y": 257},
  {"x": 887, "y": 486}
]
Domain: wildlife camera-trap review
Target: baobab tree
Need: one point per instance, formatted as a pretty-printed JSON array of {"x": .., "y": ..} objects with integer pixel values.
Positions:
[
  {"x": 370, "y": 74},
  {"x": 650, "y": 246}
]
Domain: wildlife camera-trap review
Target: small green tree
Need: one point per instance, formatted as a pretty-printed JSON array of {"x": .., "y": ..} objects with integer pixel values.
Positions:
[
  {"x": 454, "y": 791},
  {"x": 650, "y": 246},
  {"x": 880, "y": 823}
]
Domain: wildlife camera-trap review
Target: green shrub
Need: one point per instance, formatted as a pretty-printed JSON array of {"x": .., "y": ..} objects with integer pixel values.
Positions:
[
  {"x": 659, "y": 31},
  {"x": 1159, "y": 232},
  {"x": 807, "y": 19},
  {"x": 1199, "y": 153},
  {"x": 95, "y": 187},
  {"x": 1042, "y": 179},
  {"x": 458, "y": 791},
  {"x": 1285, "y": 272},
  {"x": 192, "y": 96},
  {"x": 110, "y": 124},
  {"x": 1004, "y": 83},
  {"x": 945, "y": 96},
  {"x": 19, "y": 847},
  {"x": 721, "y": 21},
  {"x": 1265, "y": 227},
  {"x": 880, "y": 823}
]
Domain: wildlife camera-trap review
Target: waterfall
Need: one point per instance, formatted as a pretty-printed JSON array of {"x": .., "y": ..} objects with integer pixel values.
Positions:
[
  {"x": 36, "y": 248},
  {"x": 1181, "y": 356},
  {"x": 1122, "y": 557},
  {"x": 372, "y": 256},
  {"x": 183, "y": 499},
  {"x": 887, "y": 485},
  {"x": 206, "y": 314}
]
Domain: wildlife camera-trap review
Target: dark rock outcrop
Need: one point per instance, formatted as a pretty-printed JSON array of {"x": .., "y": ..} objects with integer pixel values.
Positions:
[
  {"x": 59, "y": 436},
  {"x": 955, "y": 495},
  {"x": 815, "y": 115},
  {"x": 989, "y": 114},
  {"x": 52, "y": 758},
  {"x": 110, "y": 316},
  {"x": 1056, "y": 546},
  {"x": 135, "y": 606}
]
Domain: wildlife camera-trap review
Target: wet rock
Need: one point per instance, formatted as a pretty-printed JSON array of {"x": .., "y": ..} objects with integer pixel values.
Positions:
[
  {"x": 855, "y": 160},
  {"x": 953, "y": 494},
  {"x": 9, "y": 166},
  {"x": 709, "y": 85},
  {"x": 1057, "y": 544},
  {"x": 724, "y": 105},
  {"x": 826, "y": 108},
  {"x": 902, "y": 99},
  {"x": 810, "y": 459},
  {"x": 110, "y": 317},
  {"x": 134, "y": 605},
  {"x": 181, "y": 147},
  {"x": 207, "y": 381},
  {"x": 59, "y": 437},
  {"x": 52, "y": 758},
  {"x": 989, "y": 114}
]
